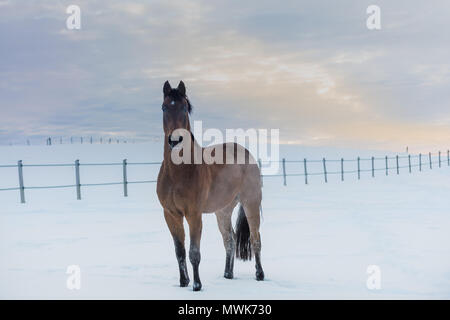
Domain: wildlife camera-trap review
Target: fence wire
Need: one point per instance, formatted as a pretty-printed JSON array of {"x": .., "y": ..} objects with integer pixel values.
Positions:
[{"x": 421, "y": 161}]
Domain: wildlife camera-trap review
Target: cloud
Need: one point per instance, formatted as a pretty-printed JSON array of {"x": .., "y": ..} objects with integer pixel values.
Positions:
[{"x": 311, "y": 69}]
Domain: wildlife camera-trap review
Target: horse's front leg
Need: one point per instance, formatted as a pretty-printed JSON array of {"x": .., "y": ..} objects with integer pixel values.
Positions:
[
  {"x": 195, "y": 232},
  {"x": 175, "y": 224}
]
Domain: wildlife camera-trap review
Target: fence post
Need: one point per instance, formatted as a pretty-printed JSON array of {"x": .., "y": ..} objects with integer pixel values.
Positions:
[
  {"x": 284, "y": 171},
  {"x": 77, "y": 179},
  {"x": 387, "y": 168},
  {"x": 429, "y": 157},
  {"x": 396, "y": 159},
  {"x": 325, "y": 170},
  {"x": 439, "y": 159},
  {"x": 373, "y": 167},
  {"x": 409, "y": 162},
  {"x": 420, "y": 162},
  {"x": 22, "y": 188},
  {"x": 448, "y": 157},
  {"x": 260, "y": 172},
  {"x": 359, "y": 169},
  {"x": 342, "y": 169},
  {"x": 306, "y": 171},
  {"x": 125, "y": 181}
]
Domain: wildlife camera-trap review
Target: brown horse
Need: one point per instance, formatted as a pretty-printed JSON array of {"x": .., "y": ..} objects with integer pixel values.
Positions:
[{"x": 187, "y": 190}]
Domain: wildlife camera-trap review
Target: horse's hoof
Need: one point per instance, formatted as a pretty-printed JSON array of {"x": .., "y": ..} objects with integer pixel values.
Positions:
[
  {"x": 228, "y": 275},
  {"x": 259, "y": 275},
  {"x": 197, "y": 286},
  {"x": 184, "y": 283}
]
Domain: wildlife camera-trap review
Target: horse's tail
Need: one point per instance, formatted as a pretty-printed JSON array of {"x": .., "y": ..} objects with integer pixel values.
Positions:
[{"x": 243, "y": 246}]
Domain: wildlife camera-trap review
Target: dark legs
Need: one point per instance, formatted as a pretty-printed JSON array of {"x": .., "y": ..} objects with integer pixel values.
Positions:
[
  {"x": 229, "y": 242},
  {"x": 195, "y": 232},
  {"x": 256, "y": 246},
  {"x": 252, "y": 214},
  {"x": 175, "y": 224},
  {"x": 181, "y": 257}
]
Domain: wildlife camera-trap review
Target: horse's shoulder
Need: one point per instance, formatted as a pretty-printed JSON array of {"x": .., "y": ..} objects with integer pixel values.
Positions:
[{"x": 163, "y": 183}]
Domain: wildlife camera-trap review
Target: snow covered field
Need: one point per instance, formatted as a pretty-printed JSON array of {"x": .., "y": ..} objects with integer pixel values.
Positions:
[{"x": 318, "y": 240}]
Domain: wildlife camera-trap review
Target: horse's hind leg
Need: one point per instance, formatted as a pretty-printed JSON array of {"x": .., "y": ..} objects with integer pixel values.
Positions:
[
  {"x": 251, "y": 209},
  {"x": 226, "y": 229},
  {"x": 175, "y": 224}
]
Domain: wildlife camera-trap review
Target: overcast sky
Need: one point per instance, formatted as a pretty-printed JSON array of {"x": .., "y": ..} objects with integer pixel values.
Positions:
[{"x": 310, "y": 68}]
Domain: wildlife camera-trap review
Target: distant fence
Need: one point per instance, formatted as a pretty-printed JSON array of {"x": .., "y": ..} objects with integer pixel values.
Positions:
[
  {"x": 419, "y": 161},
  {"x": 50, "y": 141}
]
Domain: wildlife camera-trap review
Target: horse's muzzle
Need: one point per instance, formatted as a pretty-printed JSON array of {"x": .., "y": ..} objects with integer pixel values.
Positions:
[{"x": 173, "y": 141}]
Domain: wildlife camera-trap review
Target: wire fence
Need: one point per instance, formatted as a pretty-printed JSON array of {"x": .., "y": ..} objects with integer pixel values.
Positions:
[
  {"x": 322, "y": 166},
  {"x": 419, "y": 161}
]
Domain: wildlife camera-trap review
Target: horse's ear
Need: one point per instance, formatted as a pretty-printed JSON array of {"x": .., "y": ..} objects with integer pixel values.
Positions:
[
  {"x": 167, "y": 88},
  {"x": 182, "y": 88}
]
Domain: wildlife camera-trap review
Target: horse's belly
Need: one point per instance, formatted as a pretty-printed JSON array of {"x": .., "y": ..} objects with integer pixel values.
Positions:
[
  {"x": 214, "y": 204},
  {"x": 224, "y": 189}
]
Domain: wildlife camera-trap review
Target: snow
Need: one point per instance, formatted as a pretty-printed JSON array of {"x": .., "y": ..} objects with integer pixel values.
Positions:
[{"x": 317, "y": 239}]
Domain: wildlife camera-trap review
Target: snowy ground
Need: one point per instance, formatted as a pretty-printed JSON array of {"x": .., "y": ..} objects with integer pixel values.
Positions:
[{"x": 317, "y": 240}]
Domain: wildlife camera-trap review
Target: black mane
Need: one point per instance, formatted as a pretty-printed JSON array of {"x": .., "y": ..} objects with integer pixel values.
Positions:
[{"x": 177, "y": 96}]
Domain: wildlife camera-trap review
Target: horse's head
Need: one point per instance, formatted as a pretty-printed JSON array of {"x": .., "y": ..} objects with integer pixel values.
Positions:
[{"x": 176, "y": 109}]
